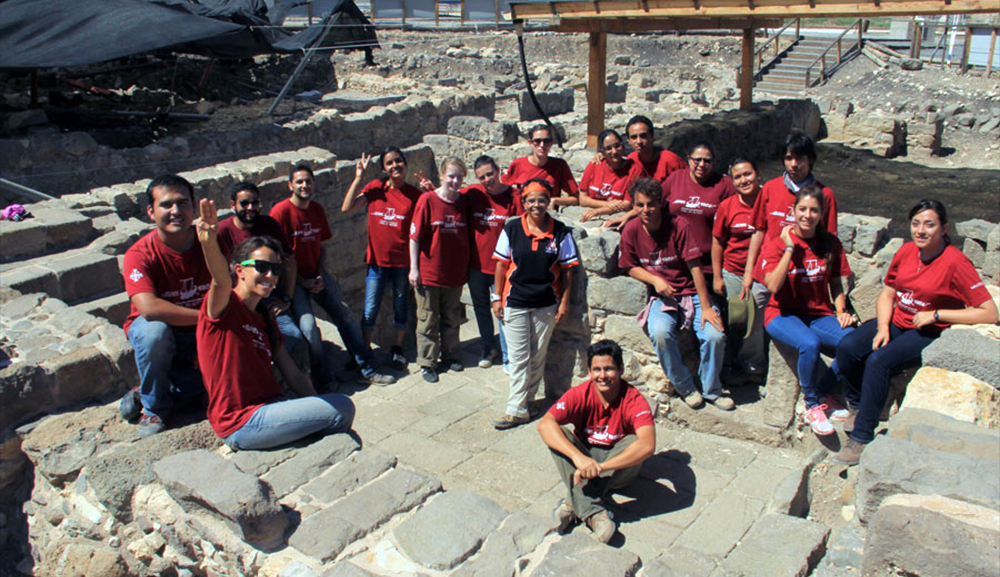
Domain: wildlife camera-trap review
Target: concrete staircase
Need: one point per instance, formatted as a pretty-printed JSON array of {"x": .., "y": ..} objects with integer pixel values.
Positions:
[{"x": 787, "y": 75}]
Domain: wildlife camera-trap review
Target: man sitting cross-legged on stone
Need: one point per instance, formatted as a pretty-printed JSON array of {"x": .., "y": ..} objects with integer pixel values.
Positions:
[
  {"x": 306, "y": 226},
  {"x": 612, "y": 435},
  {"x": 247, "y": 222},
  {"x": 238, "y": 342},
  {"x": 166, "y": 280}
]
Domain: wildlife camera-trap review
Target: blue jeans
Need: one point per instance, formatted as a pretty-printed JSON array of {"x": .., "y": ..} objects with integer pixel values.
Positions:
[
  {"x": 375, "y": 282},
  {"x": 867, "y": 372},
  {"x": 166, "y": 358},
  {"x": 285, "y": 421},
  {"x": 662, "y": 328},
  {"x": 811, "y": 335},
  {"x": 332, "y": 301},
  {"x": 480, "y": 289}
]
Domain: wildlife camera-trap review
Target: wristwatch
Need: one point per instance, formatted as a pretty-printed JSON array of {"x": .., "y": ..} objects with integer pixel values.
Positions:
[
  {"x": 936, "y": 317},
  {"x": 494, "y": 297}
]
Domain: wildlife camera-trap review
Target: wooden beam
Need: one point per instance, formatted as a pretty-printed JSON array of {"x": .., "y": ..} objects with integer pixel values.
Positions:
[
  {"x": 596, "y": 86},
  {"x": 965, "y": 50},
  {"x": 989, "y": 57},
  {"x": 746, "y": 70},
  {"x": 625, "y": 25},
  {"x": 739, "y": 8}
]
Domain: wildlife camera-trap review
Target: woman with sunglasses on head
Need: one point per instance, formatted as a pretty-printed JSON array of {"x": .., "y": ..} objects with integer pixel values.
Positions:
[
  {"x": 239, "y": 343},
  {"x": 694, "y": 195},
  {"x": 731, "y": 235},
  {"x": 930, "y": 286},
  {"x": 605, "y": 184},
  {"x": 391, "y": 202},
  {"x": 539, "y": 164},
  {"x": 803, "y": 267},
  {"x": 535, "y": 257}
]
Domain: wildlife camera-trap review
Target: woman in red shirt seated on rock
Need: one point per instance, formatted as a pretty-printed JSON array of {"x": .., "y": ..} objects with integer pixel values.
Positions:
[
  {"x": 802, "y": 268},
  {"x": 238, "y": 344},
  {"x": 930, "y": 285},
  {"x": 604, "y": 185}
]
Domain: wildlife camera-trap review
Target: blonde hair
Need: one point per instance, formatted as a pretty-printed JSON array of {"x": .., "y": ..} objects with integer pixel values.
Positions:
[{"x": 453, "y": 161}]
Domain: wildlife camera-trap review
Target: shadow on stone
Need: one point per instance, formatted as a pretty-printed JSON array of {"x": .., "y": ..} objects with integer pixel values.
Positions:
[{"x": 651, "y": 496}]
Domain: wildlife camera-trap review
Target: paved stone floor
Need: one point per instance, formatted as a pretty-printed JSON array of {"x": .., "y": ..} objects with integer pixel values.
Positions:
[{"x": 699, "y": 493}]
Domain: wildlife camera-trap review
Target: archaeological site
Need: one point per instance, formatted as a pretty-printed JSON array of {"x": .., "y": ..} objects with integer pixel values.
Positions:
[{"x": 902, "y": 101}]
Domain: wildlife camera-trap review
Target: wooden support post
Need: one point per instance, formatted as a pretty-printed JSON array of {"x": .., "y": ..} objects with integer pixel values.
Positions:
[
  {"x": 437, "y": 13},
  {"x": 496, "y": 8},
  {"x": 746, "y": 81},
  {"x": 989, "y": 57},
  {"x": 596, "y": 85},
  {"x": 966, "y": 49}
]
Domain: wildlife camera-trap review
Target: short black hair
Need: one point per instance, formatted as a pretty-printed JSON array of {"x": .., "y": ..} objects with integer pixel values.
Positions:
[
  {"x": 606, "y": 133},
  {"x": 536, "y": 128},
  {"x": 605, "y": 348},
  {"x": 243, "y": 250},
  {"x": 640, "y": 119},
  {"x": 299, "y": 167},
  {"x": 742, "y": 160},
  {"x": 240, "y": 187},
  {"x": 171, "y": 182},
  {"x": 799, "y": 143},
  {"x": 646, "y": 186},
  {"x": 701, "y": 144},
  {"x": 483, "y": 160}
]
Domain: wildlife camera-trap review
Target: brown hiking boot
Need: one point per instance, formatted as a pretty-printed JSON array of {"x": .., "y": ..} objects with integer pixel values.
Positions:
[
  {"x": 564, "y": 515},
  {"x": 850, "y": 454},
  {"x": 602, "y": 526}
]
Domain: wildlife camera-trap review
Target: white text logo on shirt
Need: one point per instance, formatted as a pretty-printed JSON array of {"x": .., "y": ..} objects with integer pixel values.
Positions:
[{"x": 135, "y": 275}]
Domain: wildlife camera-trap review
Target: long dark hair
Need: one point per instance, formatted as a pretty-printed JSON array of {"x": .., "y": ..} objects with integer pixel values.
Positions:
[
  {"x": 823, "y": 242},
  {"x": 384, "y": 176},
  {"x": 241, "y": 253},
  {"x": 935, "y": 205}
]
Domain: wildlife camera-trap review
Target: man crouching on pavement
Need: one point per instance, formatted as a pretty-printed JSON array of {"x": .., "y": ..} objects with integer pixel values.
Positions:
[{"x": 612, "y": 435}]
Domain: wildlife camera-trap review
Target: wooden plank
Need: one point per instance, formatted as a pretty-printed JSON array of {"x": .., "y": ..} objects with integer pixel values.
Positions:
[
  {"x": 624, "y": 25},
  {"x": 596, "y": 86},
  {"x": 746, "y": 70},
  {"x": 739, "y": 8},
  {"x": 964, "y": 67},
  {"x": 989, "y": 57}
]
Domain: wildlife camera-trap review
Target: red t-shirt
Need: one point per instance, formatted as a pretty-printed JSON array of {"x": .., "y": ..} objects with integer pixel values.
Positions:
[
  {"x": 390, "y": 211},
  {"x": 949, "y": 281},
  {"x": 230, "y": 235},
  {"x": 602, "y": 182},
  {"x": 441, "y": 229},
  {"x": 150, "y": 266},
  {"x": 594, "y": 424},
  {"x": 807, "y": 289},
  {"x": 555, "y": 171},
  {"x": 734, "y": 227},
  {"x": 307, "y": 229},
  {"x": 234, "y": 354},
  {"x": 773, "y": 211},
  {"x": 487, "y": 215},
  {"x": 665, "y": 253},
  {"x": 666, "y": 163},
  {"x": 697, "y": 203}
]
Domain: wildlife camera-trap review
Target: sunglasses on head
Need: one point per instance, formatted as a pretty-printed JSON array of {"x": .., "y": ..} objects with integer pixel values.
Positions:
[
  {"x": 263, "y": 266},
  {"x": 541, "y": 141}
]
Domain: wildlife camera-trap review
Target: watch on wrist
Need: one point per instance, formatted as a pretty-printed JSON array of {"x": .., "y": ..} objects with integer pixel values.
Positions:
[
  {"x": 936, "y": 317},
  {"x": 494, "y": 297}
]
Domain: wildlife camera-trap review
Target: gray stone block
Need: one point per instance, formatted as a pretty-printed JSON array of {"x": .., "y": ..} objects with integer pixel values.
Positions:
[
  {"x": 552, "y": 103},
  {"x": 777, "y": 546},
  {"x": 519, "y": 535},
  {"x": 449, "y": 529},
  {"x": 976, "y": 229},
  {"x": 203, "y": 480},
  {"x": 50, "y": 229},
  {"x": 871, "y": 232},
  {"x": 891, "y": 466},
  {"x": 353, "y": 472},
  {"x": 627, "y": 333},
  {"x": 974, "y": 252},
  {"x": 679, "y": 562},
  {"x": 115, "y": 308},
  {"x": 259, "y": 462},
  {"x": 844, "y": 552},
  {"x": 622, "y": 295},
  {"x": 599, "y": 253},
  {"x": 325, "y": 534},
  {"x": 579, "y": 555},
  {"x": 991, "y": 262},
  {"x": 479, "y": 129},
  {"x": 965, "y": 351},
  {"x": 83, "y": 275},
  {"x": 347, "y": 569},
  {"x": 31, "y": 279},
  {"x": 309, "y": 462},
  {"x": 943, "y": 433},
  {"x": 927, "y": 536}
]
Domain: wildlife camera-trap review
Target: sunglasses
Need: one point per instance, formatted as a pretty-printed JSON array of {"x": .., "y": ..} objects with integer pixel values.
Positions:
[
  {"x": 541, "y": 141},
  {"x": 263, "y": 266},
  {"x": 700, "y": 160}
]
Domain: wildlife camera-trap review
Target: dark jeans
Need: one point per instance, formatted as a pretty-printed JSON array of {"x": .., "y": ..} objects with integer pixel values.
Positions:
[
  {"x": 867, "y": 372},
  {"x": 480, "y": 288}
]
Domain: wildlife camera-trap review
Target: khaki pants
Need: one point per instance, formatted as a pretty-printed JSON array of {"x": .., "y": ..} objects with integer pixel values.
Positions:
[
  {"x": 439, "y": 316},
  {"x": 527, "y": 332},
  {"x": 586, "y": 498}
]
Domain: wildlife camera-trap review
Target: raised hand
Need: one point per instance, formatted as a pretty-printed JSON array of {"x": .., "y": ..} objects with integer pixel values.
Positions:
[
  {"x": 207, "y": 223},
  {"x": 362, "y": 164},
  {"x": 425, "y": 182}
]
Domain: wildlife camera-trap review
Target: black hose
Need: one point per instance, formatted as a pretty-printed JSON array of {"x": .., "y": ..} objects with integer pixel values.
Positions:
[{"x": 519, "y": 29}]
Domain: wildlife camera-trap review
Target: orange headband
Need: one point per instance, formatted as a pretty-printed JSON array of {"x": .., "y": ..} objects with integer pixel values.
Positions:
[{"x": 535, "y": 187}]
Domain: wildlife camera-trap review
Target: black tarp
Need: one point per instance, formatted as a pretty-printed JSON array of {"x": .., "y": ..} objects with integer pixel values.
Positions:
[{"x": 63, "y": 33}]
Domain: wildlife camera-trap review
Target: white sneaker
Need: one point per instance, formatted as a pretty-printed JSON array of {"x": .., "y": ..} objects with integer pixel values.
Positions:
[{"x": 816, "y": 417}]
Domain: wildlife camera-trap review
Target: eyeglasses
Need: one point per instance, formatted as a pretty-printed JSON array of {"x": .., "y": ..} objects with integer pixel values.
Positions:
[
  {"x": 541, "y": 141},
  {"x": 263, "y": 266},
  {"x": 700, "y": 160}
]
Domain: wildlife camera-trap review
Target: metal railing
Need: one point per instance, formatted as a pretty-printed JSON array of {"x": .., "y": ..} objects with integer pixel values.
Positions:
[
  {"x": 838, "y": 43},
  {"x": 774, "y": 43}
]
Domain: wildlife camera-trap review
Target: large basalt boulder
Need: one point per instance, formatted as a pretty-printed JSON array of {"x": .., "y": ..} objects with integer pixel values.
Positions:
[{"x": 956, "y": 395}]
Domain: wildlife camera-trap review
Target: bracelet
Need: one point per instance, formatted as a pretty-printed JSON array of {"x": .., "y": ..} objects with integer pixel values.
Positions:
[{"x": 790, "y": 248}]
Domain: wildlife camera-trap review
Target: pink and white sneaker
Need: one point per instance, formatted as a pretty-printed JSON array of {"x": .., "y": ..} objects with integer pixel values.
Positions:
[
  {"x": 836, "y": 411},
  {"x": 816, "y": 417}
]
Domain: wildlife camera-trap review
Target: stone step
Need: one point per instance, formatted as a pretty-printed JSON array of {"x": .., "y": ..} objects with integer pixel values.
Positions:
[
  {"x": 775, "y": 88},
  {"x": 74, "y": 276},
  {"x": 49, "y": 230},
  {"x": 783, "y": 77},
  {"x": 115, "y": 308}
]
